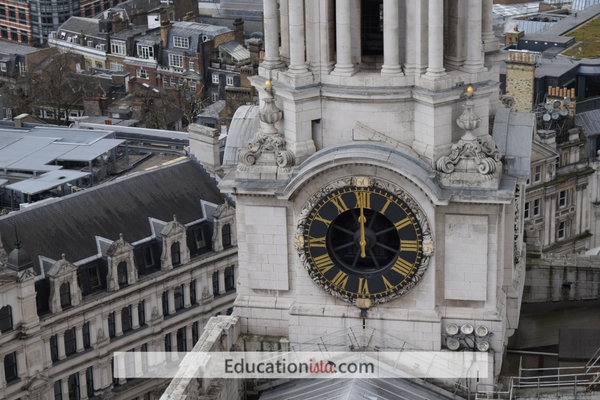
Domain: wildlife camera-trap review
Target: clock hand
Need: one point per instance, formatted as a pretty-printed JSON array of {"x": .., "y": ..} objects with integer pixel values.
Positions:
[{"x": 363, "y": 241}]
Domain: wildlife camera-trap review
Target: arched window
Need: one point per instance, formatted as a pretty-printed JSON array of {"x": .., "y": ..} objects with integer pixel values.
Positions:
[
  {"x": 6, "y": 323},
  {"x": 65, "y": 295},
  {"x": 175, "y": 254},
  {"x": 226, "y": 235},
  {"x": 122, "y": 273}
]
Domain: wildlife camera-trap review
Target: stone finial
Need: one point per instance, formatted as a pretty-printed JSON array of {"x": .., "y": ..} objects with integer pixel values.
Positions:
[
  {"x": 120, "y": 236},
  {"x": 175, "y": 217},
  {"x": 469, "y": 121},
  {"x": 64, "y": 256}
]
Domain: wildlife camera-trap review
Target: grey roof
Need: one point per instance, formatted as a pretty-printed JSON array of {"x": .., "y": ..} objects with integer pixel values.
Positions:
[
  {"x": 589, "y": 121},
  {"x": 351, "y": 389},
  {"x": 213, "y": 110},
  {"x": 88, "y": 26},
  {"x": 513, "y": 134},
  {"x": 528, "y": 27},
  {"x": 573, "y": 21},
  {"x": 69, "y": 224},
  {"x": 47, "y": 181},
  {"x": 236, "y": 50},
  {"x": 244, "y": 125},
  {"x": 583, "y": 4},
  {"x": 15, "y": 48},
  {"x": 92, "y": 151}
]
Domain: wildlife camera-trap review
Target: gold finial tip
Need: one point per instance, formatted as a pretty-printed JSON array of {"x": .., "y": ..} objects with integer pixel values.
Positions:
[
  {"x": 470, "y": 90},
  {"x": 268, "y": 84}
]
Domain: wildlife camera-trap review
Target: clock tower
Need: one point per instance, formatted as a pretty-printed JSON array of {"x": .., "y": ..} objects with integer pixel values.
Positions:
[{"x": 382, "y": 189}]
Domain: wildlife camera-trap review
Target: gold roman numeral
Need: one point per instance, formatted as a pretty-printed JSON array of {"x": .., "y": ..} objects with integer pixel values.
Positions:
[
  {"x": 402, "y": 223},
  {"x": 408, "y": 245},
  {"x": 385, "y": 206},
  {"x": 402, "y": 267},
  {"x": 340, "y": 280},
  {"x": 323, "y": 263},
  {"x": 338, "y": 202},
  {"x": 363, "y": 199},
  {"x": 388, "y": 285},
  {"x": 316, "y": 242},
  {"x": 363, "y": 287}
]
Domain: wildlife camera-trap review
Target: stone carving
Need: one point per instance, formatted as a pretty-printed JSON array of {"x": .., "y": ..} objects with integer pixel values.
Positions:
[
  {"x": 100, "y": 335},
  {"x": 154, "y": 316},
  {"x": 205, "y": 293},
  {"x": 267, "y": 145},
  {"x": 27, "y": 274},
  {"x": 507, "y": 101},
  {"x": 473, "y": 161}
]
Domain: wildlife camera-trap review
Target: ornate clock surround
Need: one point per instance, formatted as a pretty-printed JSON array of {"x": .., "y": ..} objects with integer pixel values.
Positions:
[{"x": 319, "y": 272}]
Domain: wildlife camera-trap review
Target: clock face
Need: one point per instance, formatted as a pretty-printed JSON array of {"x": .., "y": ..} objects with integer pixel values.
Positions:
[{"x": 363, "y": 243}]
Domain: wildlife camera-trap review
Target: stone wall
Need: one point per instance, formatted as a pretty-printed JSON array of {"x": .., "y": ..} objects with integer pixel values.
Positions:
[
  {"x": 562, "y": 278},
  {"x": 520, "y": 75}
]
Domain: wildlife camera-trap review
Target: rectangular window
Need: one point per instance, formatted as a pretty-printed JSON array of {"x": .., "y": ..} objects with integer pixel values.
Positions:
[
  {"x": 126, "y": 319},
  {"x": 6, "y": 319},
  {"x": 181, "y": 42},
  {"x": 526, "y": 211},
  {"x": 117, "y": 47},
  {"x": 144, "y": 350},
  {"x": 562, "y": 199},
  {"x": 193, "y": 291},
  {"x": 94, "y": 276},
  {"x": 142, "y": 74},
  {"x": 176, "y": 60},
  {"x": 85, "y": 330},
  {"x": 54, "y": 348},
  {"x": 10, "y": 367},
  {"x": 148, "y": 256},
  {"x": 536, "y": 208},
  {"x": 73, "y": 385},
  {"x": 22, "y": 18},
  {"x": 3, "y": 67},
  {"x": 229, "y": 81},
  {"x": 537, "y": 175},
  {"x": 215, "y": 78},
  {"x": 145, "y": 52},
  {"x": 191, "y": 65},
  {"x": 215, "y": 282},
  {"x": 195, "y": 332},
  {"x": 167, "y": 342},
  {"x": 70, "y": 342},
  {"x": 2, "y": 11},
  {"x": 229, "y": 279},
  {"x": 116, "y": 66},
  {"x": 58, "y": 390},
  {"x": 142, "y": 312},
  {"x": 89, "y": 380},
  {"x": 111, "y": 324},
  {"x": 179, "y": 297},
  {"x": 214, "y": 97},
  {"x": 561, "y": 230},
  {"x": 182, "y": 339},
  {"x": 165, "y": 303},
  {"x": 564, "y": 158}
]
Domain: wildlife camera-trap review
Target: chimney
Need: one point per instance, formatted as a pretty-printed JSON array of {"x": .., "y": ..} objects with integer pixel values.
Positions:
[
  {"x": 165, "y": 25},
  {"x": 520, "y": 77},
  {"x": 238, "y": 30},
  {"x": 119, "y": 24},
  {"x": 189, "y": 16},
  {"x": 254, "y": 45}
]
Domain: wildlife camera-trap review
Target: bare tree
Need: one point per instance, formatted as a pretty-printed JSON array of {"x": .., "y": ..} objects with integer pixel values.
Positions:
[{"x": 190, "y": 103}]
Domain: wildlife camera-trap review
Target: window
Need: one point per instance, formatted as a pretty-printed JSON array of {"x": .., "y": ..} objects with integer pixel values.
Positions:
[
  {"x": 5, "y": 319},
  {"x": 117, "y": 47},
  {"x": 191, "y": 65},
  {"x": 564, "y": 158},
  {"x": 111, "y": 324},
  {"x": 214, "y": 97},
  {"x": 537, "y": 175},
  {"x": 195, "y": 332},
  {"x": 73, "y": 384},
  {"x": 181, "y": 42},
  {"x": 145, "y": 52},
  {"x": 70, "y": 343},
  {"x": 89, "y": 381},
  {"x": 526, "y": 211},
  {"x": 2, "y": 11},
  {"x": 10, "y": 367},
  {"x": 3, "y": 67},
  {"x": 229, "y": 81},
  {"x": 165, "y": 303},
  {"x": 65, "y": 295},
  {"x": 122, "y": 273},
  {"x": 536, "y": 208},
  {"x": 148, "y": 256},
  {"x": 94, "y": 277},
  {"x": 178, "y": 297},
  {"x": 116, "y": 66},
  {"x": 58, "y": 390},
  {"x": 175, "y": 254},
  {"x": 562, "y": 199},
  {"x": 126, "y": 319},
  {"x": 54, "y": 348},
  {"x": 144, "y": 350},
  {"x": 22, "y": 18},
  {"x": 142, "y": 312},
  {"x": 193, "y": 292},
  {"x": 371, "y": 27},
  {"x": 226, "y": 235},
  {"x": 199, "y": 238},
  {"x": 215, "y": 281},
  {"x": 85, "y": 330},
  {"x": 176, "y": 60},
  {"x": 182, "y": 339},
  {"x": 142, "y": 74},
  {"x": 561, "y": 230},
  {"x": 168, "y": 342},
  {"x": 229, "y": 279},
  {"x": 215, "y": 78}
]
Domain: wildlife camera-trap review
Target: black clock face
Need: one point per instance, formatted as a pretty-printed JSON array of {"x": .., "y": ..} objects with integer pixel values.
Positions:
[{"x": 364, "y": 242}]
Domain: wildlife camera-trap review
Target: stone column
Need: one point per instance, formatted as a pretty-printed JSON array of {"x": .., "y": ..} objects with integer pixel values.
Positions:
[
  {"x": 297, "y": 60},
  {"x": 416, "y": 34},
  {"x": 188, "y": 337},
  {"x": 60, "y": 341},
  {"x": 135, "y": 320},
  {"x": 343, "y": 39},
  {"x": 221, "y": 281},
  {"x": 21, "y": 363},
  {"x": 391, "y": 38},
  {"x": 474, "y": 61},
  {"x": 121, "y": 368},
  {"x": 186, "y": 296},
  {"x": 48, "y": 362},
  {"x": 271, "y": 22},
  {"x": 65, "y": 387},
  {"x": 82, "y": 386},
  {"x": 79, "y": 338},
  {"x": 118, "y": 324},
  {"x": 284, "y": 17},
  {"x": 436, "y": 38},
  {"x": 490, "y": 43},
  {"x": 171, "y": 298},
  {"x": 138, "y": 361},
  {"x": 2, "y": 373}
]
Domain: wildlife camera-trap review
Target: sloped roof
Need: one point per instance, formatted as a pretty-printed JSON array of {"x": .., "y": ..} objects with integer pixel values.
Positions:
[
  {"x": 69, "y": 224},
  {"x": 589, "y": 121},
  {"x": 236, "y": 50},
  {"x": 513, "y": 134},
  {"x": 88, "y": 26}
]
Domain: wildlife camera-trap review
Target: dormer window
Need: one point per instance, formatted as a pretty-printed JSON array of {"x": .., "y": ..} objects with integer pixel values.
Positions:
[
  {"x": 181, "y": 42},
  {"x": 175, "y": 254},
  {"x": 226, "y": 235},
  {"x": 122, "y": 273},
  {"x": 65, "y": 295}
]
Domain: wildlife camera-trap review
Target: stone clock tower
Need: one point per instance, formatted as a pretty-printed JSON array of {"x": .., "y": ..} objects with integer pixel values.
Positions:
[{"x": 373, "y": 194}]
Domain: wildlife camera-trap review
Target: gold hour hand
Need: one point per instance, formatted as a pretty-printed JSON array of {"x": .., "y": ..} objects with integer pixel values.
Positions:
[{"x": 362, "y": 242}]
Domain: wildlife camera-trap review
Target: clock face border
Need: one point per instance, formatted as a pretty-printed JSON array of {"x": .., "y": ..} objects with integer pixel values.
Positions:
[{"x": 403, "y": 271}]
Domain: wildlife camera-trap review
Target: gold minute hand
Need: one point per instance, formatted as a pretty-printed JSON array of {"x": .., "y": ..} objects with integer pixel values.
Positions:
[{"x": 363, "y": 241}]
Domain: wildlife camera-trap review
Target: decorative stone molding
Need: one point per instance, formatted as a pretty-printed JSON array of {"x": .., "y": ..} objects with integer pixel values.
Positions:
[
  {"x": 174, "y": 232},
  {"x": 118, "y": 252},
  {"x": 268, "y": 147},
  {"x": 223, "y": 215},
  {"x": 63, "y": 272},
  {"x": 473, "y": 161}
]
